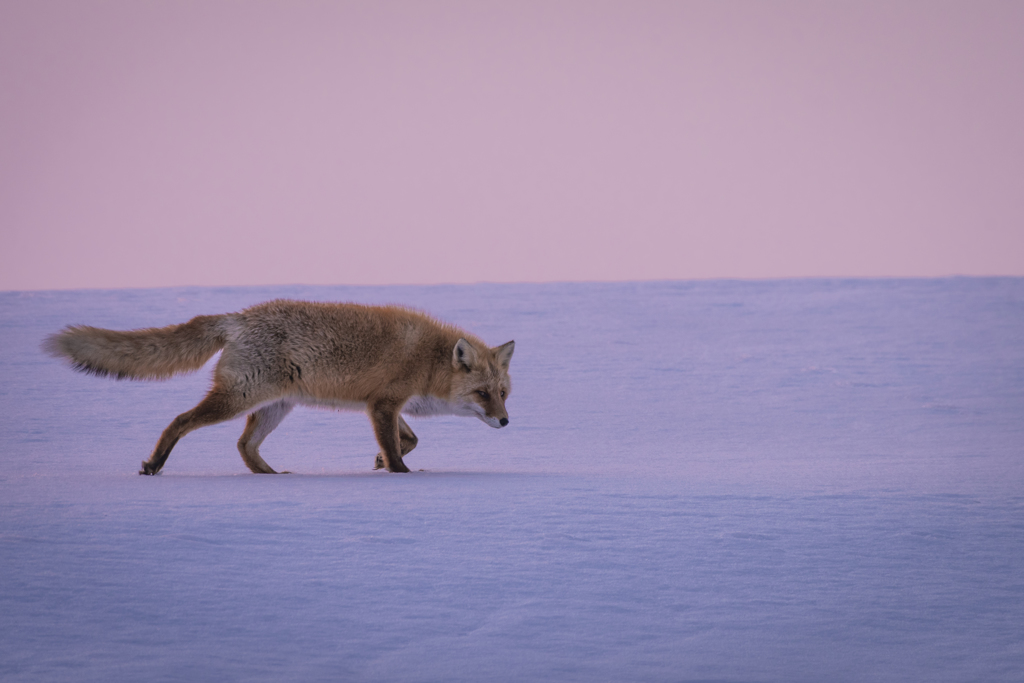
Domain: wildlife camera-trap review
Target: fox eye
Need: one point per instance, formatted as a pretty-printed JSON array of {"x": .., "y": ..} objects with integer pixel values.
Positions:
[{"x": 484, "y": 395}]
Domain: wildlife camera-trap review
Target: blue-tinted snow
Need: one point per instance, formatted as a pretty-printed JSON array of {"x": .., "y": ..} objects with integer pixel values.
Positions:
[{"x": 702, "y": 481}]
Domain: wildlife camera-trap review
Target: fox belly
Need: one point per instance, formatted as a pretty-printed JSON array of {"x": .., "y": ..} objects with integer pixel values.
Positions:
[{"x": 357, "y": 406}]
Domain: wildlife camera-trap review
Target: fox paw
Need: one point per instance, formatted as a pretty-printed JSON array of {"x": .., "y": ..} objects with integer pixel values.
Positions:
[{"x": 378, "y": 464}]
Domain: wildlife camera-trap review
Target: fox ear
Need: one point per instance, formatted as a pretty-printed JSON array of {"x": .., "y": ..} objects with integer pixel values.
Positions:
[
  {"x": 463, "y": 355},
  {"x": 504, "y": 353}
]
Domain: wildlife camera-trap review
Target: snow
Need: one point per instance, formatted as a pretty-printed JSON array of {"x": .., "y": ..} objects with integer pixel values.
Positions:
[{"x": 797, "y": 480}]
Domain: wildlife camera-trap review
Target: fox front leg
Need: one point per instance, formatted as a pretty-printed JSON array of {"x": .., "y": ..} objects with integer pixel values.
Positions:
[
  {"x": 385, "y": 418},
  {"x": 408, "y": 441}
]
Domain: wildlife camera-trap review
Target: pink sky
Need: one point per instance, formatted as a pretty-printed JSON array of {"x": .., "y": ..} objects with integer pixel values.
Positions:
[{"x": 231, "y": 143}]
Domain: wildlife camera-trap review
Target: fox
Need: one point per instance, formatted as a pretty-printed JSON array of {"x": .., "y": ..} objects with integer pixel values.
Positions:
[{"x": 385, "y": 361}]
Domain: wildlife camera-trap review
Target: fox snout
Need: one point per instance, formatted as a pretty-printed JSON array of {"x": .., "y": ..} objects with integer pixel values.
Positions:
[
  {"x": 493, "y": 414},
  {"x": 495, "y": 422}
]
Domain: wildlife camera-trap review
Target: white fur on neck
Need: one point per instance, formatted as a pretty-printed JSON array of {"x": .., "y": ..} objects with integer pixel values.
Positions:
[{"x": 422, "y": 406}]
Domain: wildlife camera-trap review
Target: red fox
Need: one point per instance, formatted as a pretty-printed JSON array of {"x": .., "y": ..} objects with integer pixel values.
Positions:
[{"x": 385, "y": 360}]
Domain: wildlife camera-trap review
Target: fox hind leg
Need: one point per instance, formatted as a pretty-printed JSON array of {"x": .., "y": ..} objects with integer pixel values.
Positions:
[
  {"x": 258, "y": 426},
  {"x": 218, "y": 406},
  {"x": 407, "y": 439}
]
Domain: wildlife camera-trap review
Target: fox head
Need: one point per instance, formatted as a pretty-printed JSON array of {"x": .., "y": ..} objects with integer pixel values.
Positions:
[{"x": 480, "y": 382}]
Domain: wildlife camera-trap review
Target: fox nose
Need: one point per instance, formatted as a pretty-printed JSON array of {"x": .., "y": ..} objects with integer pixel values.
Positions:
[{"x": 503, "y": 421}]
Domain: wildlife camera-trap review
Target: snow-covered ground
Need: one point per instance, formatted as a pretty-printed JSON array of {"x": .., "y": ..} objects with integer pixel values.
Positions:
[{"x": 815, "y": 480}]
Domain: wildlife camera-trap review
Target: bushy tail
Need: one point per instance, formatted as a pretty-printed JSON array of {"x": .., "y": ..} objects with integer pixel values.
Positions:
[{"x": 154, "y": 353}]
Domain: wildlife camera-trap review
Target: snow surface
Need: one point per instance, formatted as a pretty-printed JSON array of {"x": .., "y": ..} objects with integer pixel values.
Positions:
[{"x": 702, "y": 481}]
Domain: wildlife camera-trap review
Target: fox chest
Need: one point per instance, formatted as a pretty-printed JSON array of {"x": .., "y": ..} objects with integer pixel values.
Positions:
[
  {"x": 418, "y": 406},
  {"x": 423, "y": 406}
]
